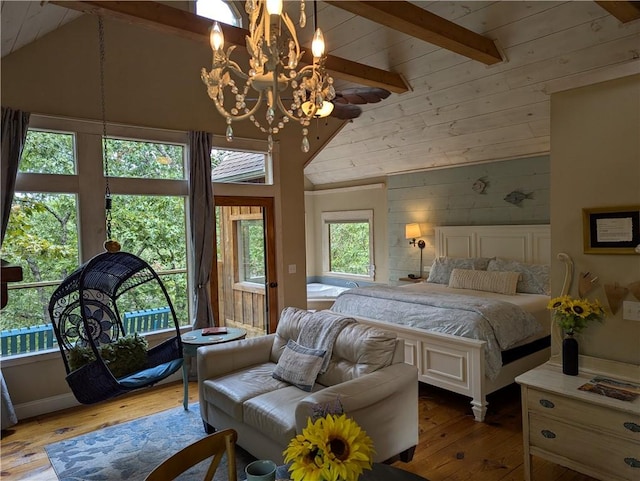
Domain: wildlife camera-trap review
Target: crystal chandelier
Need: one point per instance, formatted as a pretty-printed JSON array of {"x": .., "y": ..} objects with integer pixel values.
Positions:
[{"x": 274, "y": 54}]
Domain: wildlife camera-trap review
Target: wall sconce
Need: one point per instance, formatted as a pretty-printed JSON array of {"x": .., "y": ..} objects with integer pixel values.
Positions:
[{"x": 412, "y": 231}]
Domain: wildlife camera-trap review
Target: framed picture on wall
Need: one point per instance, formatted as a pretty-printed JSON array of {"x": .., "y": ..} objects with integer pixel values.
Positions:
[{"x": 611, "y": 230}]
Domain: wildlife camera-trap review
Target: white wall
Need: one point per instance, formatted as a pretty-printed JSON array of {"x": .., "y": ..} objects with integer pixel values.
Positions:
[
  {"x": 595, "y": 162},
  {"x": 372, "y": 196}
]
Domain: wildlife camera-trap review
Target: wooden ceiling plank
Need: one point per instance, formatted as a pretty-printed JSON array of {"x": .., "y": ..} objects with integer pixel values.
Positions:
[
  {"x": 417, "y": 22},
  {"x": 623, "y": 11},
  {"x": 188, "y": 25}
]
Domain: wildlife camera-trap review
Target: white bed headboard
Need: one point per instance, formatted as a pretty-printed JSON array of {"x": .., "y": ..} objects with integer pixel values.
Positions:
[{"x": 525, "y": 243}]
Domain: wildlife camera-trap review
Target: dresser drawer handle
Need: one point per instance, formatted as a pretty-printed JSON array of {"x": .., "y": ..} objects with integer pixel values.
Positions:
[
  {"x": 548, "y": 434},
  {"x": 633, "y": 462},
  {"x": 545, "y": 403},
  {"x": 633, "y": 427}
]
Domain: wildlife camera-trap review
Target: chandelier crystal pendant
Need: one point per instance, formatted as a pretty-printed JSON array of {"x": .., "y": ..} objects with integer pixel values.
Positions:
[{"x": 275, "y": 54}]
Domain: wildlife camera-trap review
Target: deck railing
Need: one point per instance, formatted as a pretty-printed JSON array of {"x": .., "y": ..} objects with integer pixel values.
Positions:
[{"x": 38, "y": 338}]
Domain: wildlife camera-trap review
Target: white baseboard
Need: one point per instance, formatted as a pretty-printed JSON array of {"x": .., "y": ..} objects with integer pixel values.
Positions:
[
  {"x": 51, "y": 404},
  {"x": 45, "y": 406}
]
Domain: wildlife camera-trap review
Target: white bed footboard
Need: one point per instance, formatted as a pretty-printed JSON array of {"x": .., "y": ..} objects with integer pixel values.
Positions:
[{"x": 456, "y": 363}]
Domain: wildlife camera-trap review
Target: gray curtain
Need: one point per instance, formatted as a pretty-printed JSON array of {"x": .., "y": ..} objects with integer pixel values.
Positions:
[
  {"x": 201, "y": 210},
  {"x": 14, "y": 133}
]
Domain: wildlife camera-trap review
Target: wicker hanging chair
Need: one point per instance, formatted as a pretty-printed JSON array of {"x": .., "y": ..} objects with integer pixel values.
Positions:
[{"x": 84, "y": 313}]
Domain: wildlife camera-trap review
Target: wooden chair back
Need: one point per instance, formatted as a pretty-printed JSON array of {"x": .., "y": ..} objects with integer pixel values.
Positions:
[{"x": 214, "y": 445}]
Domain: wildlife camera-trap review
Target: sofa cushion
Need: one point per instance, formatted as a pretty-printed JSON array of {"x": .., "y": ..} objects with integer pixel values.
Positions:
[
  {"x": 289, "y": 325},
  {"x": 359, "y": 349},
  {"x": 228, "y": 393},
  {"x": 273, "y": 413},
  {"x": 299, "y": 365}
]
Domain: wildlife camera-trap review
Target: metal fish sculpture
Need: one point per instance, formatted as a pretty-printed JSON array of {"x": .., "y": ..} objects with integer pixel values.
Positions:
[{"x": 516, "y": 197}]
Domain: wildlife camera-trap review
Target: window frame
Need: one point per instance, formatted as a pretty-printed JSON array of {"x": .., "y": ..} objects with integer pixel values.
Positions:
[{"x": 347, "y": 216}]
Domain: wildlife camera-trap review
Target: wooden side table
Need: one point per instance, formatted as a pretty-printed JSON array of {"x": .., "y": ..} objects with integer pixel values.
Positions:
[
  {"x": 192, "y": 340},
  {"x": 588, "y": 432}
]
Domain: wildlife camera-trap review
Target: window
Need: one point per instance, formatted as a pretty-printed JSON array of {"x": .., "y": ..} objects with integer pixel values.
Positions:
[
  {"x": 251, "y": 250},
  {"x": 218, "y": 10},
  {"x": 43, "y": 234},
  {"x": 143, "y": 229},
  {"x": 347, "y": 244},
  {"x": 57, "y": 216},
  {"x": 145, "y": 160},
  {"x": 240, "y": 166},
  {"x": 48, "y": 153}
]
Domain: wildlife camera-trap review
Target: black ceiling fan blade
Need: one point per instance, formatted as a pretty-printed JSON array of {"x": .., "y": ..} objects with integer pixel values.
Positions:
[
  {"x": 345, "y": 111},
  {"x": 361, "y": 95}
]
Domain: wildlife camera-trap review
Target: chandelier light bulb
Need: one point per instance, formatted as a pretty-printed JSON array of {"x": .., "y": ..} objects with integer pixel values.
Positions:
[
  {"x": 274, "y": 7},
  {"x": 317, "y": 45},
  {"x": 216, "y": 37}
]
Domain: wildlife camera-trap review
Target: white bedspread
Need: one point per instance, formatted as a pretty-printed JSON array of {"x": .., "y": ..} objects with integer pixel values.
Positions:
[{"x": 501, "y": 324}]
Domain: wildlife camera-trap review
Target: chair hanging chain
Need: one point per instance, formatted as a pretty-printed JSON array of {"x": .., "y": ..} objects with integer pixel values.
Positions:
[{"x": 107, "y": 195}]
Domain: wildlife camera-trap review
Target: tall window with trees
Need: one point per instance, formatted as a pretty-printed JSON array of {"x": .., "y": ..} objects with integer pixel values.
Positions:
[{"x": 58, "y": 212}]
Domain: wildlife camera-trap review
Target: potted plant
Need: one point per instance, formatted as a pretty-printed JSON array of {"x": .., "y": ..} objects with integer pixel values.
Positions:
[{"x": 573, "y": 315}]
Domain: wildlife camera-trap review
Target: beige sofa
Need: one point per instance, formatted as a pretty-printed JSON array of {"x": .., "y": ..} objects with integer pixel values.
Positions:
[{"x": 366, "y": 373}]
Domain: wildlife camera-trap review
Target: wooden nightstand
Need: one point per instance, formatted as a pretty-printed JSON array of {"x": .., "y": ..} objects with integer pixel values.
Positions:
[
  {"x": 409, "y": 279},
  {"x": 587, "y": 432}
]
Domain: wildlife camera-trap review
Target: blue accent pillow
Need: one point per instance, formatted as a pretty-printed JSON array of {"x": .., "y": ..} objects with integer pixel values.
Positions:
[
  {"x": 534, "y": 278},
  {"x": 442, "y": 266}
]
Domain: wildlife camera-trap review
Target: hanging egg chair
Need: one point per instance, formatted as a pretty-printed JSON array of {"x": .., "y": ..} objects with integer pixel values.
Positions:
[{"x": 86, "y": 319}]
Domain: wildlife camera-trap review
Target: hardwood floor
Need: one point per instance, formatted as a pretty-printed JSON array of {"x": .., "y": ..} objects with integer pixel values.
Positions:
[{"x": 452, "y": 445}]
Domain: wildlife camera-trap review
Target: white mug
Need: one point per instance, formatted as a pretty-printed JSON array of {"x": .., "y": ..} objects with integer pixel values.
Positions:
[{"x": 261, "y": 470}]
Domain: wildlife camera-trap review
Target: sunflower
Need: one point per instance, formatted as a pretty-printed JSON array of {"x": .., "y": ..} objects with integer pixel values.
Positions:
[
  {"x": 331, "y": 448},
  {"x": 348, "y": 448},
  {"x": 580, "y": 308},
  {"x": 573, "y": 315}
]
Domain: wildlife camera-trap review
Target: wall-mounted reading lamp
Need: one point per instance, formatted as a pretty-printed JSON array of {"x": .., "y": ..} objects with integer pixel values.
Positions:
[{"x": 412, "y": 231}]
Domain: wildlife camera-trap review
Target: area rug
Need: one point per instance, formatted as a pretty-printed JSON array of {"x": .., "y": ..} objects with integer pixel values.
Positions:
[{"x": 129, "y": 451}]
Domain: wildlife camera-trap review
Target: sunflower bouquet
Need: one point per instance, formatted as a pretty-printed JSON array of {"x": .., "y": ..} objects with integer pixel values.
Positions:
[
  {"x": 330, "y": 448},
  {"x": 573, "y": 315}
]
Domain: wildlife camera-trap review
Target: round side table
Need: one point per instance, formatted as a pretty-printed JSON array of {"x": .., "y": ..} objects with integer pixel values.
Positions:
[{"x": 192, "y": 340}]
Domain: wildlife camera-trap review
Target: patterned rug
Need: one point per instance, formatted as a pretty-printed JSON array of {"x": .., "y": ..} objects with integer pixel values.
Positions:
[{"x": 129, "y": 451}]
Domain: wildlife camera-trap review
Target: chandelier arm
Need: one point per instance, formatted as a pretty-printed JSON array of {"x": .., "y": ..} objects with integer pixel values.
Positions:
[
  {"x": 235, "y": 68},
  {"x": 292, "y": 31},
  {"x": 284, "y": 110},
  {"x": 248, "y": 114}
]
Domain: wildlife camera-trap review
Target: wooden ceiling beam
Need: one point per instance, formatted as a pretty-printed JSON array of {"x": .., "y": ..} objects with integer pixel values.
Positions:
[
  {"x": 174, "y": 21},
  {"x": 623, "y": 11},
  {"x": 419, "y": 23}
]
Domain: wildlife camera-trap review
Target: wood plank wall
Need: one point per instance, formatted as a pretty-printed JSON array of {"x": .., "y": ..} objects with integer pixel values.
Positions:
[{"x": 446, "y": 197}]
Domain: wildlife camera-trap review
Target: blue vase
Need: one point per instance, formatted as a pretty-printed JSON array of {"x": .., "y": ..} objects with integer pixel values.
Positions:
[{"x": 570, "y": 356}]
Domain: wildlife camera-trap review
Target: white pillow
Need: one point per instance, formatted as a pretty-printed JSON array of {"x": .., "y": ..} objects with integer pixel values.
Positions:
[
  {"x": 299, "y": 365},
  {"x": 534, "y": 278},
  {"x": 442, "y": 267},
  {"x": 503, "y": 282}
]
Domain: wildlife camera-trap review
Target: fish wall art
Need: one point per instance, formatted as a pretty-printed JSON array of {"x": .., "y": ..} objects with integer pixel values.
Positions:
[{"x": 516, "y": 197}]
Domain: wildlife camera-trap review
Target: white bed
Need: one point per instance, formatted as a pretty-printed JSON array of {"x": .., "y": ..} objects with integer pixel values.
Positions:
[{"x": 458, "y": 363}]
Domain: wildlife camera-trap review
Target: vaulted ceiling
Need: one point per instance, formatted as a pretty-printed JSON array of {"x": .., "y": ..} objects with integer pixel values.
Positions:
[{"x": 470, "y": 80}]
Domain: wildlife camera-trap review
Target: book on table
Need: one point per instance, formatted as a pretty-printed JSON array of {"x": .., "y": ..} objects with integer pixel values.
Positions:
[{"x": 211, "y": 331}]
